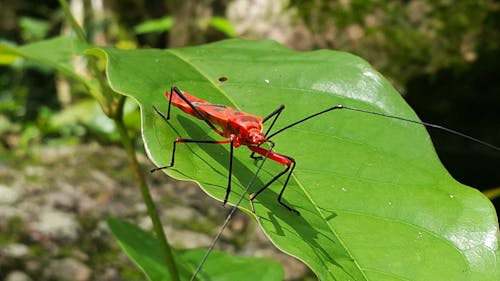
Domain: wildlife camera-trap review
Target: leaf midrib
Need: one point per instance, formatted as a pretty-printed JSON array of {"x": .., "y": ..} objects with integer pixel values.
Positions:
[{"x": 299, "y": 183}]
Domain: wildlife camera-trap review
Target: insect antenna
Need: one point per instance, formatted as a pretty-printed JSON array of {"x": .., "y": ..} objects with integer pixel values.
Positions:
[
  {"x": 431, "y": 125},
  {"x": 231, "y": 213}
]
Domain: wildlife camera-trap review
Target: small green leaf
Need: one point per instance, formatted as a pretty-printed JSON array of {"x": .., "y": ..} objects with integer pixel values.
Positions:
[
  {"x": 33, "y": 29},
  {"x": 375, "y": 202},
  {"x": 56, "y": 53},
  {"x": 8, "y": 53},
  {"x": 144, "y": 249},
  {"x": 64, "y": 54},
  {"x": 156, "y": 25},
  {"x": 223, "y": 25}
]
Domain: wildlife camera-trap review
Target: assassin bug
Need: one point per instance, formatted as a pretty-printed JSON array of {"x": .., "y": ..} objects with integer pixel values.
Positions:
[{"x": 240, "y": 128}]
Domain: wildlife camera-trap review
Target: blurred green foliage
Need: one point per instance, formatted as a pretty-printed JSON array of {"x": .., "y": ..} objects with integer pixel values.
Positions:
[
  {"x": 157, "y": 25},
  {"x": 223, "y": 25},
  {"x": 404, "y": 38},
  {"x": 33, "y": 29}
]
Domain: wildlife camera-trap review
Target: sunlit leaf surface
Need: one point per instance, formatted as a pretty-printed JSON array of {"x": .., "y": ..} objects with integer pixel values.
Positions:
[{"x": 375, "y": 202}]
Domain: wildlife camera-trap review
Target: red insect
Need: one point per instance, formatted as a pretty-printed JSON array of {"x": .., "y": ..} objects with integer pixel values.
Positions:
[{"x": 240, "y": 128}]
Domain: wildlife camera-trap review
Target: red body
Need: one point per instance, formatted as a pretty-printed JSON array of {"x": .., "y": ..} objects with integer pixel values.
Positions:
[{"x": 243, "y": 128}]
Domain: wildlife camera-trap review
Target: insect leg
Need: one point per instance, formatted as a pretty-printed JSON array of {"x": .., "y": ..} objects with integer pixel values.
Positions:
[
  {"x": 169, "y": 103},
  {"x": 283, "y": 190},
  {"x": 161, "y": 114},
  {"x": 228, "y": 189},
  {"x": 179, "y": 93},
  {"x": 176, "y": 90},
  {"x": 276, "y": 113},
  {"x": 288, "y": 169},
  {"x": 180, "y": 140}
]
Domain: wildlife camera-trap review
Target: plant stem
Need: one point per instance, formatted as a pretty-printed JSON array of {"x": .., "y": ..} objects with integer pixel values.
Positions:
[
  {"x": 104, "y": 95},
  {"x": 115, "y": 112},
  {"x": 72, "y": 21},
  {"x": 146, "y": 195}
]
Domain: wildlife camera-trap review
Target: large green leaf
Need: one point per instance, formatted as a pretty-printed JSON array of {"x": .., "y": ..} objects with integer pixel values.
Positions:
[
  {"x": 375, "y": 202},
  {"x": 145, "y": 250}
]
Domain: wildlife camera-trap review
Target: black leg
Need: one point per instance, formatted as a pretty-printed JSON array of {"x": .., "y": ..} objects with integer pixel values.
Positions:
[
  {"x": 276, "y": 113},
  {"x": 161, "y": 114},
  {"x": 288, "y": 169},
  {"x": 283, "y": 190},
  {"x": 181, "y": 95},
  {"x": 228, "y": 189},
  {"x": 169, "y": 103},
  {"x": 230, "y": 141},
  {"x": 200, "y": 115}
]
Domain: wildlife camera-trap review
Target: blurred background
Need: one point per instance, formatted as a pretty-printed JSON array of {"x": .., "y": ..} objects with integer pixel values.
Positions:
[{"x": 56, "y": 192}]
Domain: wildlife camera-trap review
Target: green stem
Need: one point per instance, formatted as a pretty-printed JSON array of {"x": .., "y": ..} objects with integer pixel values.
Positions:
[
  {"x": 146, "y": 195},
  {"x": 115, "y": 112},
  {"x": 72, "y": 21},
  {"x": 105, "y": 92}
]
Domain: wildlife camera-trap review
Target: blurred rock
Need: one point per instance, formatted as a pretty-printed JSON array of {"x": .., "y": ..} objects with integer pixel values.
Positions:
[
  {"x": 15, "y": 250},
  {"x": 57, "y": 224},
  {"x": 237, "y": 226},
  {"x": 182, "y": 213},
  {"x": 262, "y": 19},
  {"x": 110, "y": 274},
  {"x": 68, "y": 269},
  {"x": 7, "y": 212},
  {"x": 185, "y": 239},
  {"x": 33, "y": 266},
  {"x": 61, "y": 200},
  {"x": 17, "y": 276},
  {"x": 8, "y": 195}
]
